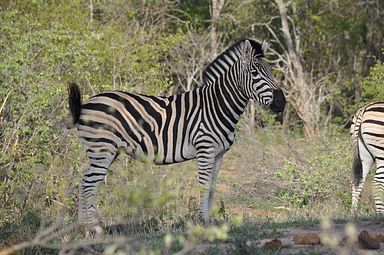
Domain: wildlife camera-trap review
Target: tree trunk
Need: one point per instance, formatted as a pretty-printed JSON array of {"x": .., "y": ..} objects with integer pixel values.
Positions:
[
  {"x": 305, "y": 96},
  {"x": 216, "y": 8}
]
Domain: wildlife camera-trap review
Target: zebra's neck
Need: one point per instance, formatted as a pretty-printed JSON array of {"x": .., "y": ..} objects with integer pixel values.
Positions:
[
  {"x": 221, "y": 78},
  {"x": 222, "y": 65}
]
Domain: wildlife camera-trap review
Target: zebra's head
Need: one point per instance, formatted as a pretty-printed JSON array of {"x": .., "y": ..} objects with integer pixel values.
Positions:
[{"x": 257, "y": 81}]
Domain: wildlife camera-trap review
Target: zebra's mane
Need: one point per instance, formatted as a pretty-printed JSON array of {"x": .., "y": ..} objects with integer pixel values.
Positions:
[{"x": 234, "y": 49}]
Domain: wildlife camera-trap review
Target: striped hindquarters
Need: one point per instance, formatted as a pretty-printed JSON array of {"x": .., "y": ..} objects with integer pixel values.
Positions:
[
  {"x": 368, "y": 129},
  {"x": 372, "y": 128},
  {"x": 370, "y": 144}
]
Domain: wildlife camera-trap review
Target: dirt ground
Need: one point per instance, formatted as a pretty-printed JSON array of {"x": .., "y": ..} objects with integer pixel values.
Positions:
[
  {"x": 335, "y": 239},
  {"x": 338, "y": 239}
]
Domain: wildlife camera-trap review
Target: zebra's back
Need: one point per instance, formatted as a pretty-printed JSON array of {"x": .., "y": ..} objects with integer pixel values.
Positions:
[{"x": 148, "y": 128}]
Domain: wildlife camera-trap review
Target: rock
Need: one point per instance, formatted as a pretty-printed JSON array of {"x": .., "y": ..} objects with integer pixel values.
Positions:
[
  {"x": 367, "y": 241},
  {"x": 344, "y": 242},
  {"x": 307, "y": 239},
  {"x": 380, "y": 238},
  {"x": 347, "y": 241},
  {"x": 274, "y": 245}
]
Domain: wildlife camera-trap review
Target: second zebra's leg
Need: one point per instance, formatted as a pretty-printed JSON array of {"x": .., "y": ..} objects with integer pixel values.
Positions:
[
  {"x": 360, "y": 174},
  {"x": 89, "y": 185},
  {"x": 378, "y": 186},
  {"x": 209, "y": 165}
]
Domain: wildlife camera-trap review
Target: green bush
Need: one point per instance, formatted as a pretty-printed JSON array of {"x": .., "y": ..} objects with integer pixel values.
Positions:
[
  {"x": 322, "y": 174},
  {"x": 42, "y": 47},
  {"x": 373, "y": 85}
]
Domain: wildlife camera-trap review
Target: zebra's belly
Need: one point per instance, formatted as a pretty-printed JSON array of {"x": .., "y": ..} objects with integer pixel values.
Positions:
[{"x": 161, "y": 155}]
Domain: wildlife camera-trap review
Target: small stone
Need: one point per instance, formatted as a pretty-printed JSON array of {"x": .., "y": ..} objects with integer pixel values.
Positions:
[
  {"x": 347, "y": 241},
  {"x": 380, "y": 238},
  {"x": 274, "y": 244},
  {"x": 368, "y": 242},
  {"x": 344, "y": 241},
  {"x": 307, "y": 239}
]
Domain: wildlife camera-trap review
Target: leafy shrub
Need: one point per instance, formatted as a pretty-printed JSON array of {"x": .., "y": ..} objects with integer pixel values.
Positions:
[
  {"x": 323, "y": 174},
  {"x": 373, "y": 84},
  {"x": 41, "y": 51}
]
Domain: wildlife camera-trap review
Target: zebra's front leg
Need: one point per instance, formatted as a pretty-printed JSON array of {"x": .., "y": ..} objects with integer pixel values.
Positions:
[{"x": 209, "y": 166}]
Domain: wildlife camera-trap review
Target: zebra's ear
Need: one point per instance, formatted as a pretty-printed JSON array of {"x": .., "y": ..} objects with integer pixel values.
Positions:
[
  {"x": 264, "y": 46},
  {"x": 247, "y": 51}
]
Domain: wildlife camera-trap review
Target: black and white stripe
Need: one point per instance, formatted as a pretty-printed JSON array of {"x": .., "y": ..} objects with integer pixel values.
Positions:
[
  {"x": 200, "y": 123},
  {"x": 367, "y": 133}
]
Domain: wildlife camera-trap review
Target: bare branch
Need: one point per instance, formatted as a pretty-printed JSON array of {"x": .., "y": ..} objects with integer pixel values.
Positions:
[{"x": 5, "y": 101}]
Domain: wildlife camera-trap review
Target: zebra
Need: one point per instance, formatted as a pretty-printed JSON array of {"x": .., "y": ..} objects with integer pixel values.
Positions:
[
  {"x": 367, "y": 131},
  {"x": 198, "y": 124}
]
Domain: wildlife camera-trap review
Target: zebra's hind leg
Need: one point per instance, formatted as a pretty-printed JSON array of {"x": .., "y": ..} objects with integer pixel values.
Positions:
[
  {"x": 378, "y": 187},
  {"x": 88, "y": 188}
]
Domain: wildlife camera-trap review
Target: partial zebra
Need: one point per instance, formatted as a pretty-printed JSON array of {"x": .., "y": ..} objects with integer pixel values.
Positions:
[
  {"x": 367, "y": 132},
  {"x": 198, "y": 124}
]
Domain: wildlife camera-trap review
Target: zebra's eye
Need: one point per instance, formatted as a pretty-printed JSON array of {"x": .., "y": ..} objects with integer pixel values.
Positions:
[
  {"x": 256, "y": 63},
  {"x": 254, "y": 72}
]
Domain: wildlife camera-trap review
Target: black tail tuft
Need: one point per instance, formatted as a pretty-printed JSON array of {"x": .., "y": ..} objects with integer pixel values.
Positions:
[
  {"x": 74, "y": 101},
  {"x": 357, "y": 167}
]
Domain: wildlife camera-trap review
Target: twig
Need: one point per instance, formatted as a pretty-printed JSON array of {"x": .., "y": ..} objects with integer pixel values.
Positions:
[
  {"x": 5, "y": 100},
  {"x": 41, "y": 239}
]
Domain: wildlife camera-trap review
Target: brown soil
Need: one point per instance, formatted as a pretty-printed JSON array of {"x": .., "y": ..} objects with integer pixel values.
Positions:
[
  {"x": 339, "y": 239},
  {"x": 335, "y": 240}
]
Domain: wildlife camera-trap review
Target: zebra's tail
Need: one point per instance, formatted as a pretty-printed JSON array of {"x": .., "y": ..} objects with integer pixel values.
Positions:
[
  {"x": 357, "y": 167},
  {"x": 74, "y": 102}
]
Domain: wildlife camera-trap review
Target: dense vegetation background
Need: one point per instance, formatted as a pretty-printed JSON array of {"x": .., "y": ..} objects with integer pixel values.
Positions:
[{"x": 327, "y": 55}]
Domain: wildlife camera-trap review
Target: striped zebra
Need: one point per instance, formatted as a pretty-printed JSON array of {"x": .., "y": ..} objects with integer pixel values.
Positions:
[
  {"x": 198, "y": 124},
  {"x": 367, "y": 132}
]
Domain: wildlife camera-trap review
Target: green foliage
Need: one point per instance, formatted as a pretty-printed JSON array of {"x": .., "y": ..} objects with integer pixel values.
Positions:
[
  {"x": 323, "y": 175},
  {"x": 34, "y": 64},
  {"x": 39, "y": 54},
  {"x": 12, "y": 233},
  {"x": 221, "y": 210},
  {"x": 198, "y": 11},
  {"x": 142, "y": 198},
  {"x": 308, "y": 188},
  {"x": 265, "y": 118},
  {"x": 371, "y": 90},
  {"x": 373, "y": 85}
]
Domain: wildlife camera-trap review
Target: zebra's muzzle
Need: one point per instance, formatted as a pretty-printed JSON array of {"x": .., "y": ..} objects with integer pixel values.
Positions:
[{"x": 278, "y": 103}]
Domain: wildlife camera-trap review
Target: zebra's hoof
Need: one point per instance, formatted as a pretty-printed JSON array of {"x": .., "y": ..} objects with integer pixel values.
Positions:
[
  {"x": 98, "y": 230},
  {"x": 209, "y": 222},
  {"x": 94, "y": 231},
  {"x": 91, "y": 231}
]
